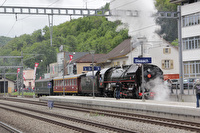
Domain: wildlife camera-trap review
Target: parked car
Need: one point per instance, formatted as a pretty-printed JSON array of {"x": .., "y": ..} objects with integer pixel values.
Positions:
[
  {"x": 188, "y": 83},
  {"x": 175, "y": 83}
]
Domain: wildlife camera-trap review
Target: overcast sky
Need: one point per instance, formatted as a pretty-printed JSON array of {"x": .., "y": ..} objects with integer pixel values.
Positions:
[{"x": 26, "y": 24}]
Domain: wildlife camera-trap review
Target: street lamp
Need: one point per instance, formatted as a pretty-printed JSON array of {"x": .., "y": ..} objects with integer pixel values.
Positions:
[
  {"x": 92, "y": 52},
  {"x": 142, "y": 39}
]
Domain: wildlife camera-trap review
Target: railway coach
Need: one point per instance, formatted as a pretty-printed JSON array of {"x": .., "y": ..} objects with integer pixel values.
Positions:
[
  {"x": 72, "y": 84},
  {"x": 44, "y": 87}
]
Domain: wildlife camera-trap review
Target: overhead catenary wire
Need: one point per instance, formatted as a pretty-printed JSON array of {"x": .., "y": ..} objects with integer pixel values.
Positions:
[
  {"x": 24, "y": 17},
  {"x": 3, "y": 2},
  {"x": 125, "y": 4},
  {"x": 11, "y": 28}
]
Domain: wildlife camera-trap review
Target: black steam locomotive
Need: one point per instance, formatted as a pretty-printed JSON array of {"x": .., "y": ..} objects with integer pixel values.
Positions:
[{"x": 103, "y": 83}]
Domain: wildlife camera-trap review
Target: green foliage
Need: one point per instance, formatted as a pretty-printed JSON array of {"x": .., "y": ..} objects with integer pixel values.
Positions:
[
  {"x": 25, "y": 93},
  {"x": 79, "y": 35},
  {"x": 175, "y": 42},
  {"x": 169, "y": 28},
  {"x": 165, "y": 5},
  {"x": 4, "y": 40}
]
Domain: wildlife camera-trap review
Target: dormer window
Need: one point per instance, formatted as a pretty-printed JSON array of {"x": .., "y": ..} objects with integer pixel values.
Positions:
[{"x": 167, "y": 50}]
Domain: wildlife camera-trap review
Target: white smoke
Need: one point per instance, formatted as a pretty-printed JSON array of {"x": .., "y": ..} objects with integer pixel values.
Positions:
[
  {"x": 140, "y": 24},
  {"x": 160, "y": 89}
]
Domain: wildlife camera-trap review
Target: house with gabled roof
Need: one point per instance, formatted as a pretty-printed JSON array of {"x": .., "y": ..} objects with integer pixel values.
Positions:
[
  {"x": 76, "y": 66},
  {"x": 163, "y": 54},
  {"x": 118, "y": 56}
]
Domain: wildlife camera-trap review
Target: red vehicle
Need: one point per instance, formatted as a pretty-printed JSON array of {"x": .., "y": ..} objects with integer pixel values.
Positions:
[{"x": 71, "y": 84}]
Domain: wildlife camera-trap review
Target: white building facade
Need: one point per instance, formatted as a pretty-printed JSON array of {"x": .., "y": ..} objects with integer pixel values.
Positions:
[
  {"x": 162, "y": 54},
  {"x": 190, "y": 12}
]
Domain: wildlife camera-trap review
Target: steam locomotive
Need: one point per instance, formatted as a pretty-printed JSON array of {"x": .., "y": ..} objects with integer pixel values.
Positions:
[{"x": 103, "y": 83}]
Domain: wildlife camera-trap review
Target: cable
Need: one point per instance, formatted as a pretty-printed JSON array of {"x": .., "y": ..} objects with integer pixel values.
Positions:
[
  {"x": 143, "y": 28},
  {"x": 11, "y": 28},
  {"x": 53, "y": 3},
  {"x": 4, "y": 2},
  {"x": 126, "y": 4}
]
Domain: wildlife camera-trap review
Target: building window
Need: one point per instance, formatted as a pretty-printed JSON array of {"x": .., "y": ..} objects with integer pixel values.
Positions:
[
  {"x": 191, "y": 69},
  {"x": 192, "y": 19},
  {"x": 191, "y": 43},
  {"x": 167, "y": 64},
  {"x": 167, "y": 50}
]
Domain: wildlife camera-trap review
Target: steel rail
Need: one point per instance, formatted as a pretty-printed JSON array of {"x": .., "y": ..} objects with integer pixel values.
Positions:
[
  {"x": 186, "y": 125},
  {"x": 104, "y": 126}
]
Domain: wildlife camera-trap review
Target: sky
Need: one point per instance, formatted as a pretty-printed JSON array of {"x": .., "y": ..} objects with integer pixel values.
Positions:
[{"x": 27, "y": 24}]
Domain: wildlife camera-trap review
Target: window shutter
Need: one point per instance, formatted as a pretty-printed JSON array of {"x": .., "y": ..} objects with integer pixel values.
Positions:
[
  {"x": 163, "y": 64},
  {"x": 171, "y": 64},
  {"x": 169, "y": 51},
  {"x": 163, "y": 50}
]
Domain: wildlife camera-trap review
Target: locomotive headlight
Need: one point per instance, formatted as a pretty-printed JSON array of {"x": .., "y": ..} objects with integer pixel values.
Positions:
[{"x": 149, "y": 75}]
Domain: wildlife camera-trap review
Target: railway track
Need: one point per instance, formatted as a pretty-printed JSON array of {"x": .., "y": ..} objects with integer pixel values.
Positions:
[
  {"x": 9, "y": 128},
  {"x": 186, "y": 125},
  {"x": 86, "y": 122}
]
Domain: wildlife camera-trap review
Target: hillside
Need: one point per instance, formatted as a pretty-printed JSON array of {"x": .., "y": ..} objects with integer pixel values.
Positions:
[
  {"x": 4, "y": 40},
  {"x": 79, "y": 35}
]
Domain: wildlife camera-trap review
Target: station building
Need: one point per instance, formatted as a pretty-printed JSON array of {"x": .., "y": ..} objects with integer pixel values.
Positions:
[
  {"x": 162, "y": 54},
  {"x": 9, "y": 85},
  {"x": 190, "y": 15}
]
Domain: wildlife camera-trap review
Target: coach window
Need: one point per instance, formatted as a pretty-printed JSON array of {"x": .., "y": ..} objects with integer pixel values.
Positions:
[
  {"x": 75, "y": 82},
  {"x": 60, "y": 82}
]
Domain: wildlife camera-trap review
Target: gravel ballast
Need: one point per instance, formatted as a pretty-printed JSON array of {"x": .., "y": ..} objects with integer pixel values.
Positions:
[{"x": 30, "y": 125}]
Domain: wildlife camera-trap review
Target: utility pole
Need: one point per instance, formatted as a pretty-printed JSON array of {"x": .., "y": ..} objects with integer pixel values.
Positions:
[
  {"x": 63, "y": 78},
  {"x": 4, "y": 79},
  {"x": 50, "y": 17},
  {"x": 141, "y": 39},
  {"x": 92, "y": 52},
  {"x": 180, "y": 50},
  {"x": 22, "y": 74}
]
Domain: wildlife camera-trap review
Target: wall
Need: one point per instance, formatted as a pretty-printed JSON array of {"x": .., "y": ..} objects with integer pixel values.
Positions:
[
  {"x": 190, "y": 31},
  {"x": 28, "y": 75},
  {"x": 10, "y": 85},
  {"x": 80, "y": 67},
  {"x": 190, "y": 8},
  {"x": 187, "y": 55}
]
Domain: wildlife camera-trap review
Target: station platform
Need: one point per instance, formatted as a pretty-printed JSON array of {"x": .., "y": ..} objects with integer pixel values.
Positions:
[{"x": 170, "y": 107}]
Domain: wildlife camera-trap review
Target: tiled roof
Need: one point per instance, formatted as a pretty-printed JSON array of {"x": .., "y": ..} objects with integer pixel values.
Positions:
[
  {"x": 177, "y": 1},
  {"x": 119, "y": 51},
  {"x": 76, "y": 55},
  {"x": 88, "y": 58}
]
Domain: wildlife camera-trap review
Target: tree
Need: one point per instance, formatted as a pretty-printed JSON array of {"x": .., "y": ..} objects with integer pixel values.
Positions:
[{"x": 169, "y": 29}]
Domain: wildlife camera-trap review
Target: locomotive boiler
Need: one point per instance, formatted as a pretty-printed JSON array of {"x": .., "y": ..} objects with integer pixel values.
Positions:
[{"x": 130, "y": 77}]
